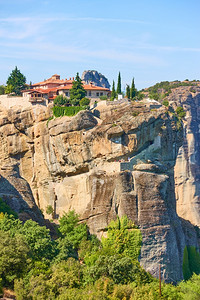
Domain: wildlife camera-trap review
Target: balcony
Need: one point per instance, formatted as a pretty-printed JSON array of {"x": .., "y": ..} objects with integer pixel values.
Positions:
[{"x": 37, "y": 99}]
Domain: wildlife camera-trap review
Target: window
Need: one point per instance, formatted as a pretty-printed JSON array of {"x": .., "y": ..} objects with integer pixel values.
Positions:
[
  {"x": 89, "y": 93},
  {"x": 97, "y": 94},
  {"x": 101, "y": 94},
  {"x": 66, "y": 94}
]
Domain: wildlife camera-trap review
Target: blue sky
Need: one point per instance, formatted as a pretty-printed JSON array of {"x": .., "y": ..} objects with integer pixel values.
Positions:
[{"x": 151, "y": 41}]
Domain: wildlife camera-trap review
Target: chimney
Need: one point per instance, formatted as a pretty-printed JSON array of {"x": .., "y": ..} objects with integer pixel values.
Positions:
[{"x": 73, "y": 78}]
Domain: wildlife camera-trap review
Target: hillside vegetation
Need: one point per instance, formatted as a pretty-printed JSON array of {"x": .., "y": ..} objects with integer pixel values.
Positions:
[
  {"x": 161, "y": 90},
  {"x": 77, "y": 265}
]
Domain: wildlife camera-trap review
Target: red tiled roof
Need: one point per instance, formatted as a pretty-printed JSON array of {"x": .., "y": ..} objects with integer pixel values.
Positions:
[
  {"x": 67, "y": 84},
  {"x": 94, "y": 87},
  {"x": 67, "y": 88},
  {"x": 55, "y": 81},
  {"x": 42, "y": 91}
]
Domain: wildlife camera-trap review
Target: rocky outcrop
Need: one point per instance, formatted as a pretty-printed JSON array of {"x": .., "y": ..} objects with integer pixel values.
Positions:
[
  {"x": 96, "y": 78},
  {"x": 187, "y": 168},
  {"x": 122, "y": 163}
]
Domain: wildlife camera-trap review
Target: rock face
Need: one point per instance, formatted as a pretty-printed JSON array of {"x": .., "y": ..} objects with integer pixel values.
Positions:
[
  {"x": 122, "y": 163},
  {"x": 97, "y": 78},
  {"x": 187, "y": 168}
]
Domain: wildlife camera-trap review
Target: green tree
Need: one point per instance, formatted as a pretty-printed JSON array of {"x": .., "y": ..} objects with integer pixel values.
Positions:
[
  {"x": 4, "y": 208},
  {"x": 123, "y": 237},
  {"x": 180, "y": 112},
  {"x": 9, "y": 89},
  {"x": 17, "y": 80},
  {"x": 133, "y": 90},
  {"x": 13, "y": 257},
  {"x": 39, "y": 240},
  {"x": 128, "y": 91},
  {"x": 77, "y": 91},
  {"x": 84, "y": 101},
  {"x": 2, "y": 89},
  {"x": 119, "y": 89},
  {"x": 113, "y": 93},
  {"x": 60, "y": 100},
  {"x": 70, "y": 229}
]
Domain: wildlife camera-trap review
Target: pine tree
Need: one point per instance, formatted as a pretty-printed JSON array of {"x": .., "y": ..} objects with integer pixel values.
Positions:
[
  {"x": 128, "y": 92},
  {"x": 113, "y": 93},
  {"x": 17, "y": 80},
  {"x": 77, "y": 91},
  {"x": 119, "y": 90}
]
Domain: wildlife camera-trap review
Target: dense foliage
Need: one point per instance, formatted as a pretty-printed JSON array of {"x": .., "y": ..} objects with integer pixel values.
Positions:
[
  {"x": 191, "y": 262},
  {"x": 2, "y": 89},
  {"x": 16, "y": 82},
  {"x": 77, "y": 91},
  {"x": 60, "y": 111},
  {"x": 77, "y": 265},
  {"x": 61, "y": 100}
]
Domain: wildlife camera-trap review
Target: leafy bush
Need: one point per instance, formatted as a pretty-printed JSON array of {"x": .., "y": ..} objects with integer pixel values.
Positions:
[
  {"x": 123, "y": 238},
  {"x": 13, "y": 257},
  {"x": 180, "y": 112},
  {"x": 59, "y": 111},
  {"x": 2, "y": 89},
  {"x": 49, "y": 210},
  {"x": 190, "y": 290},
  {"x": 103, "y": 97},
  {"x": 61, "y": 100},
  {"x": 135, "y": 113},
  {"x": 165, "y": 103},
  {"x": 4, "y": 208},
  {"x": 85, "y": 101}
]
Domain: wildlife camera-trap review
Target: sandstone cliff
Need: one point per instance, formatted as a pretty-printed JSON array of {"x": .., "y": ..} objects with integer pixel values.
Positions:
[
  {"x": 121, "y": 162},
  {"x": 187, "y": 169}
]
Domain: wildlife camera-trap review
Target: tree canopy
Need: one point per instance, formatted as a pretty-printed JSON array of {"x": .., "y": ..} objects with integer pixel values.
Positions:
[{"x": 17, "y": 81}]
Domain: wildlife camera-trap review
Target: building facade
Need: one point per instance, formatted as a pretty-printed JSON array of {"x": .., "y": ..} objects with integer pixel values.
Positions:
[{"x": 49, "y": 89}]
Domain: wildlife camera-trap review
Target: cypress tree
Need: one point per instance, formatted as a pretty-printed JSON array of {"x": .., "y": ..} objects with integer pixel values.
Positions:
[
  {"x": 128, "y": 92},
  {"x": 119, "y": 90},
  {"x": 113, "y": 93},
  {"x": 133, "y": 90}
]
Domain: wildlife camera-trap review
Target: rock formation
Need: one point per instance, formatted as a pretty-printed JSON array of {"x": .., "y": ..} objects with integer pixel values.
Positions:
[
  {"x": 116, "y": 160},
  {"x": 97, "y": 78},
  {"x": 187, "y": 169}
]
